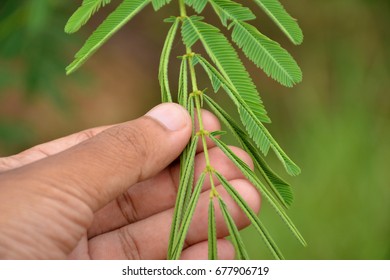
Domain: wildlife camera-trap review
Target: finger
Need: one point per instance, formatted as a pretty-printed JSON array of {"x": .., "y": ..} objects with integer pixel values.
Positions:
[
  {"x": 199, "y": 251},
  {"x": 50, "y": 148},
  {"x": 211, "y": 123},
  {"x": 159, "y": 193},
  {"x": 148, "y": 239},
  {"x": 99, "y": 169}
]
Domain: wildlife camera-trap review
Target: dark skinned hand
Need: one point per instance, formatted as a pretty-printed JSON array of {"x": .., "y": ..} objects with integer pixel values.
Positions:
[{"x": 109, "y": 192}]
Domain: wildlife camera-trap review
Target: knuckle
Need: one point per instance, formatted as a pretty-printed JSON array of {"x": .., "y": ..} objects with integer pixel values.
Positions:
[
  {"x": 129, "y": 244},
  {"x": 7, "y": 163},
  {"x": 84, "y": 135},
  {"x": 127, "y": 207}
]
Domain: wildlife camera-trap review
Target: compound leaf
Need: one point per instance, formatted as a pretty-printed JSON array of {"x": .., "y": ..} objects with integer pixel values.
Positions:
[
  {"x": 233, "y": 231},
  {"x": 275, "y": 10},
  {"x": 198, "y": 5},
  {"x": 212, "y": 232},
  {"x": 187, "y": 218},
  {"x": 252, "y": 217},
  {"x": 185, "y": 183},
  {"x": 157, "y": 4},
  {"x": 226, "y": 59},
  {"x": 182, "y": 95},
  {"x": 267, "y": 54},
  {"x": 83, "y": 14},
  {"x": 281, "y": 189},
  {"x": 254, "y": 127},
  {"x": 230, "y": 10},
  {"x": 164, "y": 61},
  {"x": 119, "y": 17},
  {"x": 251, "y": 176}
]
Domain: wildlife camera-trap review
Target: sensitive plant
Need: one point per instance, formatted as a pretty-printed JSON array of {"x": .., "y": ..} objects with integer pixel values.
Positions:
[{"x": 227, "y": 74}]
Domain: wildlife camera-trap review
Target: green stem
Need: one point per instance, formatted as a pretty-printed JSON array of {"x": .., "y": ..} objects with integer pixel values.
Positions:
[
  {"x": 197, "y": 96},
  {"x": 183, "y": 12}
]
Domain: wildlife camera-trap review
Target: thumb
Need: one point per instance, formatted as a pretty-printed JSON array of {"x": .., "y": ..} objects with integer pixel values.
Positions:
[{"x": 102, "y": 167}]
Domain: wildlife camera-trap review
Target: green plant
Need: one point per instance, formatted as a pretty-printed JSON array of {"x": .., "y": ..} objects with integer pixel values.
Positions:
[{"x": 225, "y": 71}]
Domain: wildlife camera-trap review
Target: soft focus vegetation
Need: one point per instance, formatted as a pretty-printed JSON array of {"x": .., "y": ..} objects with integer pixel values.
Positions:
[{"x": 335, "y": 124}]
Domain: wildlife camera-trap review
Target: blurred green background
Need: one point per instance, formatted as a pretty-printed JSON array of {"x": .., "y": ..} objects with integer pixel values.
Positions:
[{"x": 335, "y": 124}]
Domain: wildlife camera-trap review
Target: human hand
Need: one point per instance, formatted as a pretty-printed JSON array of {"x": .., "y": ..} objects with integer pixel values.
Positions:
[{"x": 109, "y": 192}]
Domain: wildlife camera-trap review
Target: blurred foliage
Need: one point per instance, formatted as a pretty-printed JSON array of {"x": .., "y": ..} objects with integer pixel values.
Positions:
[
  {"x": 335, "y": 124},
  {"x": 32, "y": 52},
  {"x": 32, "y": 48}
]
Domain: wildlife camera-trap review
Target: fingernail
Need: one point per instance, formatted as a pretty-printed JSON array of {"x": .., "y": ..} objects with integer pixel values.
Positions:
[{"x": 171, "y": 115}]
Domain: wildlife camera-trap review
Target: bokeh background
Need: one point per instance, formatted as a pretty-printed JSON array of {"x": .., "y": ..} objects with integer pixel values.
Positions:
[{"x": 335, "y": 124}]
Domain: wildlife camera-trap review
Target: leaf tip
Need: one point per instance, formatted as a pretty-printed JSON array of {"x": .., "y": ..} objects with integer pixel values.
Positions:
[
  {"x": 70, "y": 69},
  {"x": 293, "y": 169},
  {"x": 69, "y": 29},
  {"x": 298, "y": 39}
]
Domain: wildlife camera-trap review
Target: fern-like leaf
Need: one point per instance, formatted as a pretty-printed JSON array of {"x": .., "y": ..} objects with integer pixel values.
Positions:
[
  {"x": 233, "y": 231},
  {"x": 164, "y": 60},
  {"x": 182, "y": 233},
  {"x": 254, "y": 127},
  {"x": 185, "y": 183},
  {"x": 83, "y": 14},
  {"x": 230, "y": 10},
  {"x": 226, "y": 59},
  {"x": 281, "y": 189},
  {"x": 157, "y": 4},
  {"x": 275, "y": 10},
  {"x": 182, "y": 95},
  {"x": 251, "y": 176},
  {"x": 198, "y": 5},
  {"x": 263, "y": 138},
  {"x": 212, "y": 232},
  {"x": 267, "y": 54},
  {"x": 252, "y": 217},
  {"x": 122, "y": 14}
]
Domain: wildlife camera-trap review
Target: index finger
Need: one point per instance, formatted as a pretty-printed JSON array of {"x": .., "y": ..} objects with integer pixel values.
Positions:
[{"x": 49, "y": 148}]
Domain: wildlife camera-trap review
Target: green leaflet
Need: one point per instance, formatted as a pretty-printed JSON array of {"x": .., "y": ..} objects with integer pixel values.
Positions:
[
  {"x": 83, "y": 14},
  {"x": 188, "y": 214},
  {"x": 251, "y": 176},
  {"x": 190, "y": 108},
  {"x": 226, "y": 59},
  {"x": 185, "y": 183},
  {"x": 230, "y": 10},
  {"x": 267, "y": 54},
  {"x": 122, "y": 14},
  {"x": 198, "y": 5},
  {"x": 157, "y": 4},
  {"x": 216, "y": 133},
  {"x": 280, "y": 188},
  {"x": 286, "y": 23},
  {"x": 263, "y": 138},
  {"x": 164, "y": 60},
  {"x": 252, "y": 217},
  {"x": 212, "y": 232},
  {"x": 182, "y": 95},
  {"x": 233, "y": 231},
  {"x": 255, "y": 128}
]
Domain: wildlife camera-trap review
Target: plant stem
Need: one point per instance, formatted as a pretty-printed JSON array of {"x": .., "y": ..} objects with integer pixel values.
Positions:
[
  {"x": 183, "y": 12},
  {"x": 197, "y": 96}
]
